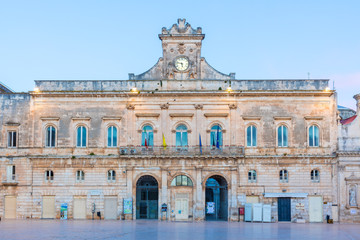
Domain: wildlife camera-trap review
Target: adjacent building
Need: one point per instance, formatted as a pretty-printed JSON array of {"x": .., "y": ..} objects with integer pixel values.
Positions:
[{"x": 179, "y": 142}]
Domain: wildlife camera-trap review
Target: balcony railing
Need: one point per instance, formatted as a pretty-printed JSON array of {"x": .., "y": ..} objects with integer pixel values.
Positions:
[
  {"x": 10, "y": 179},
  {"x": 182, "y": 151}
]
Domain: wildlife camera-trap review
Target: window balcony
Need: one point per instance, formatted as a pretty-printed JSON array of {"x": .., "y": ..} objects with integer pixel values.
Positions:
[
  {"x": 10, "y": 180},
  {"x": 226, "y": 151}
]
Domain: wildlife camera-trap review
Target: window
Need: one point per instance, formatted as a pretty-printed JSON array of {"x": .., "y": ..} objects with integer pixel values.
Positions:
[
  {"x": 282, "y": 136},
  {"x": 147, "y": 136},
  {"x": 111, "y": 176},
  {"x": 315, "y": 175},
  {"x": 284, "y": 176},
  {"x": 216, "y": 136},
  {"x": 181, "y": 136},
  {"x": 252, "y": 176},
  {"x": 314, "y": 136},
  {"x": 49, "y": 176},
  {"x": 50, "y": 136},
  {"x": 181, "y": 180},
  {"x": 10, "y": 173},
  {"x": 251, "y": 136},
  {"x": 12, "y": 139},
  {"x": 112, "y": 137},
  {"x": 80, "y": 176},
  {"x": 81, "y": 137}
]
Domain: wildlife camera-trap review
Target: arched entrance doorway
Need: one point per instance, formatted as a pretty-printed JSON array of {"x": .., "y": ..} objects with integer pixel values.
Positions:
[
  {"x": 216, "y": 198},
  {"x": 147, "y": 196}
]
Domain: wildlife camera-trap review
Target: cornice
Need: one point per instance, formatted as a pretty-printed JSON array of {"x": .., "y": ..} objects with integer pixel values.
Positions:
[{"x": 148, "y": 93}]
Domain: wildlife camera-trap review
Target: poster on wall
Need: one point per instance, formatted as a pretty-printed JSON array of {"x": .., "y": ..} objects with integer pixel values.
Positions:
[
  {"x": 127, "y": 205},
  {"x": 210, "y": 207},
  {"x": 63, "y": 211}
]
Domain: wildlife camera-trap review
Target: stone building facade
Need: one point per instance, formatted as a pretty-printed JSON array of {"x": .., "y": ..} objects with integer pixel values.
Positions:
[{"x": 181, "y": 141}]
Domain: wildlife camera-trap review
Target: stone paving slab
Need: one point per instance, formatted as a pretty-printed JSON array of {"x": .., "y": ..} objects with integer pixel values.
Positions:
[{"x": 87, "y": 229}]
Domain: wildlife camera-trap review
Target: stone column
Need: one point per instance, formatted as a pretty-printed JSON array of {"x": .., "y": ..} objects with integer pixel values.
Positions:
[
  {"x": 200, "y": 201},
  {"x": 198, "y": 118},
  {"x": 234, "y": 215},
  {"x": 130, "y": 192},
  {"x": 164, "y": 193},
  {"x": 130, "y": 129},
  {"x": 232, "y": 128},
  {"x": 164, "y": 129}
]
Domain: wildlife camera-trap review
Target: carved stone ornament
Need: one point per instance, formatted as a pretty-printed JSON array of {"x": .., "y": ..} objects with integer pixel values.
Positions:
[
  {"x": 341, "y": 168},
  {"x": 233, "y": 106},
  {"x": 198, "y": 106},
  {"x": 181, "y": 48},
  {"x": 164, "y": 106},
  {"x": 352, "y": 196},
  {"x": 130, "y": 106}
]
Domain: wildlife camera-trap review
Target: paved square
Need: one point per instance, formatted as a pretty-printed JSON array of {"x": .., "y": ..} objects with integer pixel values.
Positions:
[{"x": 87, "y": 229}]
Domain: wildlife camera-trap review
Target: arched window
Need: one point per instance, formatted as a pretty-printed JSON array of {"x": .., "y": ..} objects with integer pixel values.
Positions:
[
  {"x": 111, "y": 176},
  {"x": 251, "y": 136},
  {"x": 49, "y": 176},
  {"x": 181, "y": 136},
  {"x": 216, "y": 136},
  {"x": 147, "y": 136},
  {"x": 315, "y": 175},
  {"x": 314, "y": 136},
  {"x": 50, "y": 136},
  {"x": 252, "y": 176},
  {"x": 284, "y": 176},
  {"x": 81, "y": 136},
  {"x": 80, "y": 176},
  {"x": 181, "y": 180},
  {"x": 282, "y": 136},
  {"x": 112, "y": 136}
]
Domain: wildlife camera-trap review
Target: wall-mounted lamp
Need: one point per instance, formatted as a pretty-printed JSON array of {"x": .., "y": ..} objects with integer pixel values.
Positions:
[
  {"x": 228, "y": 89},
  {"x": 36, "y": 89}
]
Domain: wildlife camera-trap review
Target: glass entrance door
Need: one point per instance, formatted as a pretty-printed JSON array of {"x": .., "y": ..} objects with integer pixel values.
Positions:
[
  {"x": 147, "y": 196},
  {"x": 216, "y": 200}
]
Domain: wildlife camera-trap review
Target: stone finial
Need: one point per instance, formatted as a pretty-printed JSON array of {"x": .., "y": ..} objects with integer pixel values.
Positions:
[
  {"x": 181, "y": 22},
  {"x": 198, "y": 106},
  {"x": 357, "y": 98}
]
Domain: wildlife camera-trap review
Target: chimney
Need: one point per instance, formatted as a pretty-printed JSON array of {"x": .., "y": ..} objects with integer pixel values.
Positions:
[{"x": 357, "y": 98}]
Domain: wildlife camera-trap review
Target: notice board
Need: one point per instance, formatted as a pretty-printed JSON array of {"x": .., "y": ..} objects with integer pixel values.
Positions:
[{"x": 127, "y": 205}]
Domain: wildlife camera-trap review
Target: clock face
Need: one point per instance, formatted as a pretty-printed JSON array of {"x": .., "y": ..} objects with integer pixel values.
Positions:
[{"x": 181, "y": 63}]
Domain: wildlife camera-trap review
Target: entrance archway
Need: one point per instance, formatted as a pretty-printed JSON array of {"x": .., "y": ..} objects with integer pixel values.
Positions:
[
  {"x": 216, "y": 198},
  {"x": 147, "y": 196}
]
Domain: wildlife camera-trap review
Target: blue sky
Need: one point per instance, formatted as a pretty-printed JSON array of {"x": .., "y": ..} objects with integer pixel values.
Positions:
[{"x": 95, "y": 40}]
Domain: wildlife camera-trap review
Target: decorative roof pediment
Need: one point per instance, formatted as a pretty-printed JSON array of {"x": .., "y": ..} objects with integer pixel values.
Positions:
[{"x": 181, "y": 28}]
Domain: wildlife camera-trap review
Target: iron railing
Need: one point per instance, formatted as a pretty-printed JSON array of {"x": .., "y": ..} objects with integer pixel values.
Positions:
[
  {"x": 10, "y": 179},
  {"x": 182, "y": 151}
]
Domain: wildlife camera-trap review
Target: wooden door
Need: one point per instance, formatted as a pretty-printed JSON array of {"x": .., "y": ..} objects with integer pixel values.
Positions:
[
  {"x": 110, "y": 208},
  {"x": 315, "y": 209},
  {"x": 284, "y": 209},
  {"x": 182, "y": 209},
  {"x": 79, "y": 211},
  {"x": 48, "y": 207},
  {"x": 10, "y": 207}
]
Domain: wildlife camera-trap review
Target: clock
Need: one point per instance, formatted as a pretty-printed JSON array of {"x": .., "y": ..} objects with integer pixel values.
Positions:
[{"x": 181, "y": 63}]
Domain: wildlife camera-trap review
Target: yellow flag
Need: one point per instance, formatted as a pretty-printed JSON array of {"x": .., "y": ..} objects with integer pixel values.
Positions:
[{"x": 164, "y": 142}]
